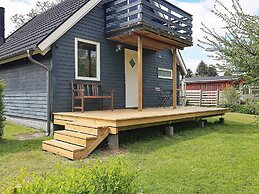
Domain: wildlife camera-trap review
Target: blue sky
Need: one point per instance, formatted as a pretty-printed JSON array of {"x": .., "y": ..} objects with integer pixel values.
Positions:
[{"x": 200, "y": 9}]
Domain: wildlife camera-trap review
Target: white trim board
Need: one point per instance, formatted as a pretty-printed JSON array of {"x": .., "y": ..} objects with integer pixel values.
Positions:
[
  {"x": 98, "y": 61},
  {"x": 180, "y": 61},
  {"x": 164, "y": 69},
  {"x": 61, "y": 30}
]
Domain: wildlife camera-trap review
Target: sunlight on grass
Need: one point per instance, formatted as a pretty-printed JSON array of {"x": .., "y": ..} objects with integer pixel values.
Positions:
[
  {"x": 12, "y": 130},
  {"x": 17, "y": 154},
  {"x": 215, "y": 159}
]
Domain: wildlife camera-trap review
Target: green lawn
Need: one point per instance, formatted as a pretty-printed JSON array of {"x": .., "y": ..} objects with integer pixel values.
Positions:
[{"x": 215, "y": 159}]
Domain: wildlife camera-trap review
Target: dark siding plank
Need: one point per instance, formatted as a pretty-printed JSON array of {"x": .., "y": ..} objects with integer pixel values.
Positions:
[{"x": 26, "y": 87}]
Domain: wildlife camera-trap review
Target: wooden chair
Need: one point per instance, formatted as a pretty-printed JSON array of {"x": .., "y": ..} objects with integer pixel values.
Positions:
[
  {"x": 162, "y": 96},
  {"x": 82, "y": 91}
]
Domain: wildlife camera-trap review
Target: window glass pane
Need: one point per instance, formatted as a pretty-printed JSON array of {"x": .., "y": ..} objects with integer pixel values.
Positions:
[
  {"x": 164, "y": 73},
  {"x": 87, "y": 60}
]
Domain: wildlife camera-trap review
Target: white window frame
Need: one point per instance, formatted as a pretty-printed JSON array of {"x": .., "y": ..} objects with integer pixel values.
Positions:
[
  {"x": 98, "y": 60},
  {"x": 164, "y": 69}
]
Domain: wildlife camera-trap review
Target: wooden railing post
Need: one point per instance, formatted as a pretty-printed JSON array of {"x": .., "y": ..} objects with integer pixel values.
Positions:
[
  {"x": 140, "y": 76},
  {"x": 174, "y": 79}
]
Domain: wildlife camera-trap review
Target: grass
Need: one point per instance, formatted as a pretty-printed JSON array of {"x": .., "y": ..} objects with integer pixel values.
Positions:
[
  {"x": 16, "y": 155},
  {"x": 215, "y": 159}
]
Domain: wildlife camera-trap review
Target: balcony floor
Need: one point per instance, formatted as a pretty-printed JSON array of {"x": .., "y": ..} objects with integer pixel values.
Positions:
[
  {"x": 126, "y": 119},
  {"x": 153, "y": 39}
]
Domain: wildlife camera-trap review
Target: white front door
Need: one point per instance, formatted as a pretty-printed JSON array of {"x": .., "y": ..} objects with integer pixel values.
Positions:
[{"x": 131, "y": 78}]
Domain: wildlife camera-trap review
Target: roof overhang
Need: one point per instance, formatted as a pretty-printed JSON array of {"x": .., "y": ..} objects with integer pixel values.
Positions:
[
  {"x": 62, "y": 29},
  {"x": 18, "y": 56},
  {"x": 23, "y": 54},
  {"x": 209, "y": 81},
  {"x": 45, "y": 45}
]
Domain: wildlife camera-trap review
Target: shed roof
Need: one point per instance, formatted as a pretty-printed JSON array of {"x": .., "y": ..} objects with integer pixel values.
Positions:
[
  {"x": 39, "y": 28},
  {"x": 210, "y": 79}
]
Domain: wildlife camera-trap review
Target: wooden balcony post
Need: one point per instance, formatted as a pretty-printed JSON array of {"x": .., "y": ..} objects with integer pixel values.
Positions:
[
  {"x": 140, "y": 76},
  {"x": 174, "y": 79}
]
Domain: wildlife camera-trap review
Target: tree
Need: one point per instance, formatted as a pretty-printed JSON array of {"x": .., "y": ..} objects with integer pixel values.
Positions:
[
  {"x": 201, "y": 69},
  {"x": 189, "y": 73},
  {"x": 40, "y": 7},
  {"x": 212, "y": 71},
  {"x": 226, "y": 68},
  {"x": 204, "y": 70},
  {"x": 239, "y": 47}
]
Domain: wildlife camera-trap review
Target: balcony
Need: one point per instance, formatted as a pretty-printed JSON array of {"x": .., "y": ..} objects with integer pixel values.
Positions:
[{"x": 160, "y": 24}]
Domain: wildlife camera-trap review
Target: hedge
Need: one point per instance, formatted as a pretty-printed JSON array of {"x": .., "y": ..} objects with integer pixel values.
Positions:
[
  {"x": 112, "y": 176},
  {"x": 243, "y": 108}
]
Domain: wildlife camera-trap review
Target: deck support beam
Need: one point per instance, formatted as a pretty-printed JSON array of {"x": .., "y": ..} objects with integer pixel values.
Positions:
[
  {"x": 174, "y": 99},
  {"x": 201, "y": 123},
  {"x": 221, "y": 120},
  {"x": 140, "y": 73},
  {"x": 113, "y": 142},
  {"x": 169, "y": 130}
]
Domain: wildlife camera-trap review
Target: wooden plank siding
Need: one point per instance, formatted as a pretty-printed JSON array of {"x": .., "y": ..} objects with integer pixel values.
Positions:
[
  {"x": 26, "y": 88},
  {"x": 26, "y": 83},
  {"x": 92, "y": 27}
]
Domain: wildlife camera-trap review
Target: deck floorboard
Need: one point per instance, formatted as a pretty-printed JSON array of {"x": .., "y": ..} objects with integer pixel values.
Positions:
[{"x": 125, "y": 119}]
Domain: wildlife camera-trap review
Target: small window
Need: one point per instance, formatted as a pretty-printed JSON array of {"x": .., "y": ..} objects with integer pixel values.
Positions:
[
  {"x": 87, "y": 60},
  {"x": 165, "y": 73}
]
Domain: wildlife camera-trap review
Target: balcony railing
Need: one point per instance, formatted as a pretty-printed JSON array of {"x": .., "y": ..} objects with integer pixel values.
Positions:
[{"x": 155, "y": 14}]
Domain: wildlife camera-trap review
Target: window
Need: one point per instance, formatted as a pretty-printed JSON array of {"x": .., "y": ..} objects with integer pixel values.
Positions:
[
  {"x": 165, "y": 73},
  {"x": 87, "y": 60}
]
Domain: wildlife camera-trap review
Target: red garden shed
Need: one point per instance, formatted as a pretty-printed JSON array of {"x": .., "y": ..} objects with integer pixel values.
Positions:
[{"x": 211, "y": 83}]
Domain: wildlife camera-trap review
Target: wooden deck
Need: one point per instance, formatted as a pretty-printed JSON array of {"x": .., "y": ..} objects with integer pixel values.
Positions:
[
  {"x": 126, "y": 119},
  {"x": 85, "y": 131}
]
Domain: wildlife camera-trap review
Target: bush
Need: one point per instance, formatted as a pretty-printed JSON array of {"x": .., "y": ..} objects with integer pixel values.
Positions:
[
  {"x": 109, "y": 177},
  {"x": 243, "y": 108},
  {"x": 230, "y": 96},
  {"x": 2, "y": 118},
  {"x": 231, "y": 99}
]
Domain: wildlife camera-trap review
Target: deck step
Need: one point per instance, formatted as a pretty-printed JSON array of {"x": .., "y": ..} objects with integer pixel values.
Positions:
[
  {"x": 82, "y": 129},
  {"x": 75, "y": 138},
  {"x": 80, "y": 135},
  {"x": 63, "y": 149}
]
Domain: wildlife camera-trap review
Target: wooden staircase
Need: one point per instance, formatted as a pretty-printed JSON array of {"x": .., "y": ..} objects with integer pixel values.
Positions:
[{"x": 75, "y": 142}]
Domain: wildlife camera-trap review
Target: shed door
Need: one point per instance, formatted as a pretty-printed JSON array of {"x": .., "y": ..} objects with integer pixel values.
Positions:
[{"x": 131, "y": 78}]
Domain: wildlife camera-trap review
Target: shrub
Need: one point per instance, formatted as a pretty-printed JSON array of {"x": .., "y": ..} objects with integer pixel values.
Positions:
[
  {"x": 243, "y": 108},
  {"x": 109, "y": 177},
  {"x": 2, "y": 118},
  {"x": 230, "y": 96}
]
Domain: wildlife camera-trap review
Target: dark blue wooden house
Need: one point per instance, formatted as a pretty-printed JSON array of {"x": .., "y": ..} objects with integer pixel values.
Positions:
[
  {"x": 129, "y": 46},
  {"x": 59, "y": 37}
]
